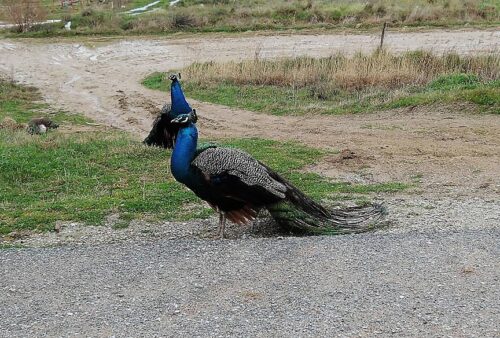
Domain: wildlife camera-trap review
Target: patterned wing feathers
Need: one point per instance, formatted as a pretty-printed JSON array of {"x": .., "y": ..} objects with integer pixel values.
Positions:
[{"x": 218, "y": 161}]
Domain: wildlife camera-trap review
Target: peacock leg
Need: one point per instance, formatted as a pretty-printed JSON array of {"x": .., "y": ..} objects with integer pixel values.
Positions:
[{"x": 222, "y": 224}]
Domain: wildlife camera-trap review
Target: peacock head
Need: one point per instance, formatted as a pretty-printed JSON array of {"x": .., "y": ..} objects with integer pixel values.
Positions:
[
  {"x": 185, "y": 119},
  {"x": 171, "y": 117}
]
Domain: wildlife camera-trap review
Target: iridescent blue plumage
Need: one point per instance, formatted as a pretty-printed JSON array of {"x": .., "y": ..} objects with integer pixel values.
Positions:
[
  {"x": 179, "y": 103},
  {"x": 185, "y": 150}
]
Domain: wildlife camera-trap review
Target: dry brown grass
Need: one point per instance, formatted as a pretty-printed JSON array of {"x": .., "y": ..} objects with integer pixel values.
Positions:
[
  {"x": 344, "y": 12},
  {"x": 24, "y": 13},
  {"x": 378, "y": 70},
  {"x": 229, "y": 15},
  {"x": 268, "y": 14}
]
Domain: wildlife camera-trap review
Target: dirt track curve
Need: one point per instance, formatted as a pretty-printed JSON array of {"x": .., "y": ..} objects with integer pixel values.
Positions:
[{"x": 102, "y": 80}]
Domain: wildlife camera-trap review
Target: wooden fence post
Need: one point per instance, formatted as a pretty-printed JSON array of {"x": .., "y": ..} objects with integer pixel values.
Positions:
[{"x": 383, "y": 34}]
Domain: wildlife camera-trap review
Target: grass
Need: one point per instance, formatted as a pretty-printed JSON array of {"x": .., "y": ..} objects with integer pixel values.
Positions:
[
  {"x": 4, "y": 246},
  {"x": 85, "y": 176},
  {"x": 23, "y": 102},
  {"x": 237, "y": 16},
  {"x": 342, "y": 84}
]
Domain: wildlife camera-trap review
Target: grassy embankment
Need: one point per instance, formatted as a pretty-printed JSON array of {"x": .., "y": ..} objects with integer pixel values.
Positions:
[
  {"x": 237, "y": 16},
  {"x": 341, "y": 84},
  {"x": 84, "y": 173}
]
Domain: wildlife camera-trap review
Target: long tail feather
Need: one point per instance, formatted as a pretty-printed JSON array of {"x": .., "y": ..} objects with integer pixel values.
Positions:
[
  {"x": 298, "y": 213},
  {"x": 342, "y": 221}
]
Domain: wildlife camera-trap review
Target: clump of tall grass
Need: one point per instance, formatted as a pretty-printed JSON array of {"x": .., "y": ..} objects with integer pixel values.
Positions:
[
  {"x": 344, "y": 84},
  {"x": 361, "y": 71}
]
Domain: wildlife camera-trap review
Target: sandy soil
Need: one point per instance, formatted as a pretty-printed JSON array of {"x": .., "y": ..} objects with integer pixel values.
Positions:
[{"x": 445, "y": 148}]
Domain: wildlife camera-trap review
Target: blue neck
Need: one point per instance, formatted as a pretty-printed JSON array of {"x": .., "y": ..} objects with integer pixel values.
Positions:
[
  {"x": 179, "y": 103},
  {"x": 183, "y": 154}
]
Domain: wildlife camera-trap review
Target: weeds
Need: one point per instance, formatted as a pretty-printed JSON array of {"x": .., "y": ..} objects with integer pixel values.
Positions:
[
  {"x": 194, "y": 15},
  {"x": 23, "y": 13},
  {"x": 377, "y": 70},
  {"x": 340, "y": 84}
]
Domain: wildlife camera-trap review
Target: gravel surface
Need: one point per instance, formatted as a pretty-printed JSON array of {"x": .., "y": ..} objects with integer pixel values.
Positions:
[
  {"x": 428, "y": 283},
  {"x": 407, "y": 213}
]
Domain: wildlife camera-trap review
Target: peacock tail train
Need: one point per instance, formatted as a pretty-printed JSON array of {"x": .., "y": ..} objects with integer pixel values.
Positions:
[
  {"x": 300, "y": 214},
  {"x": 294, "y": 218}
]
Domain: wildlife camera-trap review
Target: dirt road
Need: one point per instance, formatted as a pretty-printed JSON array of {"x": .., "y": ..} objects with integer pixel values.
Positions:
[{"x": 86, "y": 76}]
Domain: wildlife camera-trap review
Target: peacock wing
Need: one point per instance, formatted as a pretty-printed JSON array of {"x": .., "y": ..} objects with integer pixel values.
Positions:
[{"x": 237, "y": 174}]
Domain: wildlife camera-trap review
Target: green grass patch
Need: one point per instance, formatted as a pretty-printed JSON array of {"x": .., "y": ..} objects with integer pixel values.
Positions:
[
  {"x": 289, "y": 101},
  {"x": 22, "y": 103},
  {"x": 455, "y": 81},
  {"x": 454, "y": 88},
  {"x": 272, "y": 99},
  {"x": 5, "y": 246},
  {"x": 54, "y": 10},
  {"x": 339, "y": 84},
  {"x": 85, "y": 177}
]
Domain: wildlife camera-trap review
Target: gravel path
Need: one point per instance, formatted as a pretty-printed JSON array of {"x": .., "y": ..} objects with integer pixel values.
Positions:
[{"x": 432, "y": 283}]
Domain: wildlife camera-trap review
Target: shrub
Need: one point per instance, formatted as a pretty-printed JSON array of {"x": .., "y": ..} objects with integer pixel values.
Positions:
[
  {"x": 454, "y": 81},
  {"x": 181, "y": 19},
  {"x": 24, "y": 13}
]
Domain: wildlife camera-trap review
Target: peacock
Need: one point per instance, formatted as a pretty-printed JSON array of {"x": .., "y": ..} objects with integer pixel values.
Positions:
[
  {"x": 237, "y": 186},
  {"x": 40, "y": 125}
]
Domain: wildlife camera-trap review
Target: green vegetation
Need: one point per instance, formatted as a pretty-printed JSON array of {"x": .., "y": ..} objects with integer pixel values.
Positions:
[
  {"x": 485, "y": 95},
  {"x": 10, "y": 246},
  {"x": 234, "y": 16},
  {"x": 80, "y": 176},
  {"x": 21, "y": 103},
  {"x": 341, "y": 84},
  {"x": 90, "y": 173}
]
